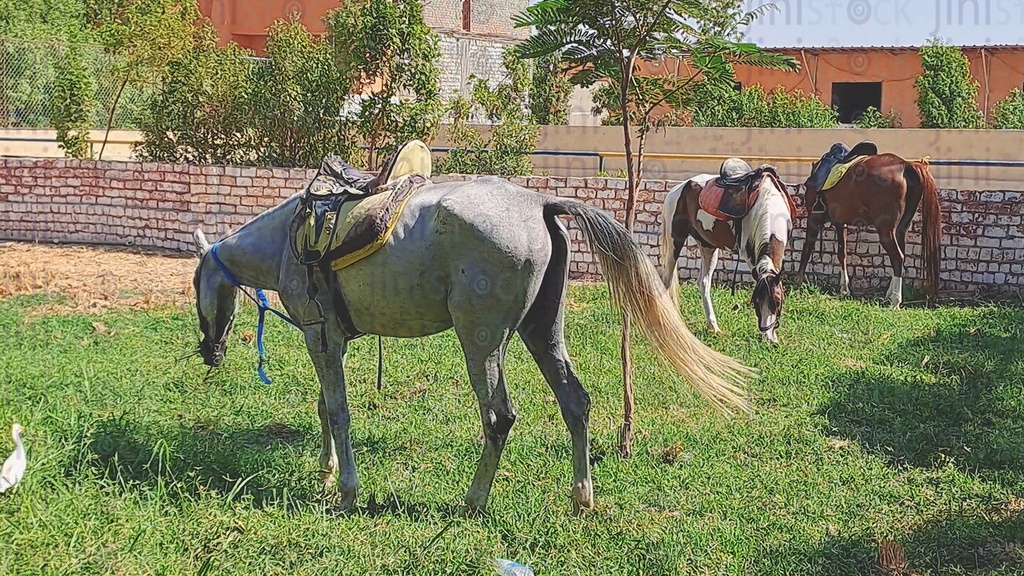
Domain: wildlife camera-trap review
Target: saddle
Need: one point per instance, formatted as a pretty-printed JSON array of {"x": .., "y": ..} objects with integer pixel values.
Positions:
[
  {"x": 346, "y": 214},
  {"x": 836, "y": 158},
  {"x": 734, "y": 191}
]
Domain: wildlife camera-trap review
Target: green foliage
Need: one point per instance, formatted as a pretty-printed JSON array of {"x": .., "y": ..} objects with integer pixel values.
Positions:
[
  {"x": 513, "y": 134},
  {"x": 216, "y": 105},
  {"x": 797, "y": 109},
  {"x": 201, "y": 114},
  {"x": 45, "y": 20},
  {"x": 387, "y": 42},
  {"x": 549, "y": 92},
  {"x": 946, "y": 91},
  {"x": 873, "y": 118},
  {"x": 711, "y": 104},
  {"x": 73, "y": 96},
  {"x": 1009, "y": 112},
  {"x": 602, "y": 42},
  {"x": 297, "y": 96}
]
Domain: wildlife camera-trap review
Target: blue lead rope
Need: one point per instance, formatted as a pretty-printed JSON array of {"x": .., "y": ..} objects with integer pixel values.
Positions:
[{"x": 262, "y": 304}]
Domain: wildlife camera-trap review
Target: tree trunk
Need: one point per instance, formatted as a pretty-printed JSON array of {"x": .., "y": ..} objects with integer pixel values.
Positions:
[
  {"x": 113, "y": 110},
  {"x": 628, "y": 400}
]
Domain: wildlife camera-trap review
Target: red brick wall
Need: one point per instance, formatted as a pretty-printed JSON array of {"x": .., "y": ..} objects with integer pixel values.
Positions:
[{"x": 158, "y": 206}]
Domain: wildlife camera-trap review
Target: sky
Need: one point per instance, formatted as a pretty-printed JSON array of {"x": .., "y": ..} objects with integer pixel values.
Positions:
[{"x": 886, "y": 22}]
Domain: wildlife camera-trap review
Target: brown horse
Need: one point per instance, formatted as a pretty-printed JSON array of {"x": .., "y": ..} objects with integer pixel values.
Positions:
[{"x": 882, "y": 191}]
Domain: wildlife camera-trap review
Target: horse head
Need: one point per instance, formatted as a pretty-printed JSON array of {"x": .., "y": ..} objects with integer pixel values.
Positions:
[
  {"x": 767, "y": 298},
  {"x": 215, "y": 304},
  {"x": 773, "y": 223}
]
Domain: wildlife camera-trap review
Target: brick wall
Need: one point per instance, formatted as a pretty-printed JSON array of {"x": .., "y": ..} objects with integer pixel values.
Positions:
[
  {"x": 158, "y": 205},
  {"x": 487, "y": 17},
  {"x": 462, "y": 56}
]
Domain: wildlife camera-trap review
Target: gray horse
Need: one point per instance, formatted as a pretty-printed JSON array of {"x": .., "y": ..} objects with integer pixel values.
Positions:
[{"x": 486, "y": 258}]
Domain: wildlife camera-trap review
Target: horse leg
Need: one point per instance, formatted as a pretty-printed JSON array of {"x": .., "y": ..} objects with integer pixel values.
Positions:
[
  {"x": 484, "y": 349},
  {"x": 328, "y": 456},
  {"x": 708, "y": 263},
  {"x": 542, "y": 331},
  {"x": 888, "y": 240},
  {"x": 844, "y": 278},
  {"x": 334, "y": 416},
  {"x": 815, "y": 222}
]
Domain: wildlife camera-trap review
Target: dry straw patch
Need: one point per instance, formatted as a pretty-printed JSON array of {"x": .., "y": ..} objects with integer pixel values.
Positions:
[{"x": 92, "y": 279}]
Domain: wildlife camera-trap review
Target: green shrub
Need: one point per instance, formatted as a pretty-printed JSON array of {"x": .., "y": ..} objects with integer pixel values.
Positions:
[
  {"x": 513, "y": 133},
  {"x": 947, "y": 94},
  {"x": 1009, "y": 112},
  {"x": 71, "y": 114},
  {"x": 549, "y": 92},
  {"x": 386, "y": 42},
  {"x": 297, "y": 96},
  {"x": 202, "y": 114},
  {"x": 719, "y": 106},
  {"x": 872, "y": 118}
]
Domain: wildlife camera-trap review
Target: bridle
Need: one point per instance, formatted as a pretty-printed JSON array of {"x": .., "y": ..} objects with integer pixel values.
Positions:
[{"x": 262, "y": 305}]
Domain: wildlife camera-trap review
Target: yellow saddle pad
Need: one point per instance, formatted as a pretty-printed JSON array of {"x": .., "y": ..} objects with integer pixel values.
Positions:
[
  {"x": 359, "y": 228},
  {"x": 839, "y": 170}
]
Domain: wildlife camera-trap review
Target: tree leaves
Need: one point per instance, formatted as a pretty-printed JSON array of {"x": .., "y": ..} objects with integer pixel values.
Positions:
[{"x": 946, "y": 90}]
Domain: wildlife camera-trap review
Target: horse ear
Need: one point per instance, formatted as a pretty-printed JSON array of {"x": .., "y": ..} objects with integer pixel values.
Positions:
[{"x": 202, "y": 245}]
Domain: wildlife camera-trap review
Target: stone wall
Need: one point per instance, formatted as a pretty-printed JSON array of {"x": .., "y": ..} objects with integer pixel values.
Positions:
[
  {"x": 464, "y": 55},
  {"x": 486, "y": 17},
  {"x": 158, "y": 206}
]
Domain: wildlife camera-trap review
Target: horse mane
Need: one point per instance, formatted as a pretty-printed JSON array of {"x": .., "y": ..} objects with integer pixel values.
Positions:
[{"x": 763, "y": 212}]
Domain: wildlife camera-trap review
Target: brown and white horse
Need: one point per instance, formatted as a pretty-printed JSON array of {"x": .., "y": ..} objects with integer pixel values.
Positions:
[
  {"x": 883, "y": 191},
  {"x": 764, "y": 233}
]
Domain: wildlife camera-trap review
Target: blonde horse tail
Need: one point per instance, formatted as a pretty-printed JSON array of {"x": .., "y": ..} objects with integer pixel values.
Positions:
[
  {"x": 931, "y": 225},
  {"x": 637, "y": 289},
  {"x": 669, "y": 272}
]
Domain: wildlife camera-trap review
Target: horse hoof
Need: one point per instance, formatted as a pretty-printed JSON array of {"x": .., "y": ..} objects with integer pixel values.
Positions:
[{"x": 582, "y": 497}]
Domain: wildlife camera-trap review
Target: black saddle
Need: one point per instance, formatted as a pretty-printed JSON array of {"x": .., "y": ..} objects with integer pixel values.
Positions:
[
  {"x": 839, "y": 154},
  {"x": 359, "y": 182},
  {"x": 737, "y": 180}
]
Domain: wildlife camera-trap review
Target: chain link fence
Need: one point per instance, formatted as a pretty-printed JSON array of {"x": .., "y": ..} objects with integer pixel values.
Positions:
[{"x": 28, "y": 75}]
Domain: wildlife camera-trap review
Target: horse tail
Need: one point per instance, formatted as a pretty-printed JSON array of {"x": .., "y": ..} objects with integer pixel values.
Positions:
[
  {"x": 637, "y": 290},
  {"x": 669, "y": 272},
  {"x": 931, "y": 224}
]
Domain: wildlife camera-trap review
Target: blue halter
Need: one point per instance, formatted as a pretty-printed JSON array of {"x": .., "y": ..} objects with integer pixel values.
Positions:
[{"x": 261, "y": 304}]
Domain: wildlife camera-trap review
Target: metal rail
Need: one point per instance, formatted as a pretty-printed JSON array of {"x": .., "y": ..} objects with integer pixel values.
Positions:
[{"x": 602, "y": 156}]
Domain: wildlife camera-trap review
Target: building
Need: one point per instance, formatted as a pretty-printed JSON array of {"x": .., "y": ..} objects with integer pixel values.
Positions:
[
  {"x": 473, "y": 32},
  {"x": 852, "y": 79}
]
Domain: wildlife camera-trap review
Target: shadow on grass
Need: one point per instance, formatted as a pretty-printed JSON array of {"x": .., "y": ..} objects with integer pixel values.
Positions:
[
  {"x": 952, "y": 545},
  {"x": 956, "y": 396},
  {"x": 250, "y": 464}
]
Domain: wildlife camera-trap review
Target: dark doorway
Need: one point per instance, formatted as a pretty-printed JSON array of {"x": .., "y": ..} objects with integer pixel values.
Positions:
[{"x": 854, "y": 98}]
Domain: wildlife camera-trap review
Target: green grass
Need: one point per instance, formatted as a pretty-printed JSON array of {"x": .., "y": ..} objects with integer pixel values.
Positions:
[{"x": 870, "y": 424}]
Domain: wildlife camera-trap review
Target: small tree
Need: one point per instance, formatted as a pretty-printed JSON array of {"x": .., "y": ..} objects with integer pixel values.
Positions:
[
  {"x": 549, "y": 92},
  {"x": 298, "y": 96},
  {"x": 873, "y": 118},
  {"x": 202, "y": 113},
  {"x": 947, "y": 94},
  {"x": 513, "y": 133},
  {"x": 391, "y": 55},
  {"x": 1009, "y": 112},
  {"x": 73, "y": 102},
  {"x": 604, "y": 40}
]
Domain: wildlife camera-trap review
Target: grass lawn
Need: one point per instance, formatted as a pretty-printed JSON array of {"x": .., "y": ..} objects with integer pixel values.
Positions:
[{"x": 870, "y": 425}]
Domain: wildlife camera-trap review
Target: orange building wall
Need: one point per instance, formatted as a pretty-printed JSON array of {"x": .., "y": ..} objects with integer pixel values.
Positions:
[
  {"x": 1001, "y": 71},
  {"x": 246, "y": 21}
]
